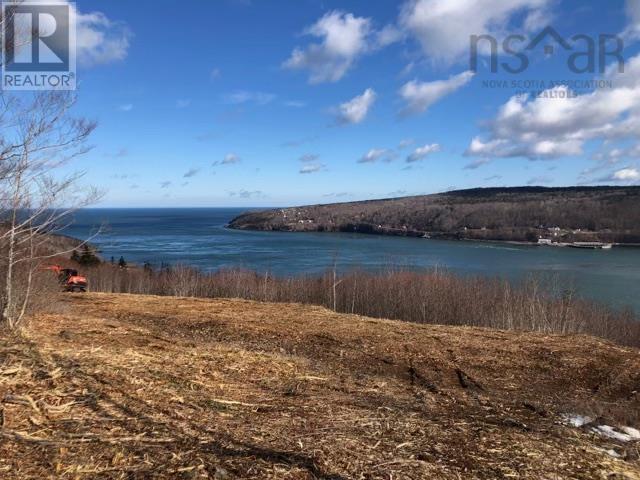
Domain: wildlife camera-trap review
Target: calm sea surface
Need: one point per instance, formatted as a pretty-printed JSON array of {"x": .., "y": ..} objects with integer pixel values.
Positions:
[{"x": 197, "y": 237}]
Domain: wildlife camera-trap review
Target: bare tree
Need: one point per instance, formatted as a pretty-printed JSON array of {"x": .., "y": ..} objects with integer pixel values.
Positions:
[{"x": 38, "y": 137}]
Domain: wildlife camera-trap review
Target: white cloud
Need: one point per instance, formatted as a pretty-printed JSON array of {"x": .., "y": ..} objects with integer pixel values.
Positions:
[
  {"x": 388, "y": 35},
  {"x": 609, "y": 156},
  {"x": 423, "y": 152},
  {"x": 558, "y": 122},
  {"x": 215, "y": 74},
  {"x": 356, "y": 109},
  {"x": 245, "y": 96},
  {"x": 443, "y": 27},
  {"x": 312, "y": 168},
  {"x": 419, "y": 96},
  {"x": 374, "y": 155},
  {"x": 628, "y": 174},
  {"x": 98, "y": 39},
  {"x": 344, "y": 37},
  {"x": 230, "y": 158},
  {"x": 126, "y": 107},
  {"x": 183, "y": 103}
]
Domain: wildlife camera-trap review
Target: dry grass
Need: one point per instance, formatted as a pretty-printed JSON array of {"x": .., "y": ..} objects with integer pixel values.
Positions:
[{"x": 138, "y": 387}]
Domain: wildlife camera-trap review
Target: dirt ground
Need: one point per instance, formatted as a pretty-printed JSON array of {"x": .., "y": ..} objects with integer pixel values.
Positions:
[{"x": 137, "y": 387}]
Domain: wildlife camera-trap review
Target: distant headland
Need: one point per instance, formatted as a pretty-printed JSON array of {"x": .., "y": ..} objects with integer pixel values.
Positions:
[{"x": 608, "y": 214}]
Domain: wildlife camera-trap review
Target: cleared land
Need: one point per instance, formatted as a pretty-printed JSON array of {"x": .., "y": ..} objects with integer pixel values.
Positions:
[{"x": 124, "y": 386}]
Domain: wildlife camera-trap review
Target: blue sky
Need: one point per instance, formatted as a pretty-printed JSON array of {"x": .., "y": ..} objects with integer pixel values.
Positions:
[{"x": 269, "y": 103}]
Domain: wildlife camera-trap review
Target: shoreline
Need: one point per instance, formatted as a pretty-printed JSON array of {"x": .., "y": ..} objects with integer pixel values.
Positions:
[{"x": 427, "y": 236}]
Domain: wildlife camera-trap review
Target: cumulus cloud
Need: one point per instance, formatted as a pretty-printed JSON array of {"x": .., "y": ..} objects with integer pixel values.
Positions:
[
  {"x": 558, "y": 122},
  {"x": 244, "y": 96},
  {"x": 423, "y": 152},
  {"x": 624, "y": 175},
  {"x": 312, "y": 168},
  {"x": 609, "y": 156},
  {"x": 374, "y": 155},
  {"x": 99, "y": 40},
  {"x": 443, "y": 27},
  {"x": 343, "y": 38},
  {"x": 419, "y": 96},
  {"x": 356, "y": 109},
  {"x": 388, "y": 35},
  {"x": 192, "y": 172}
]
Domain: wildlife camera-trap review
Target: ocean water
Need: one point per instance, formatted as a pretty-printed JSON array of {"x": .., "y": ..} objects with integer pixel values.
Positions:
[{"x": 198, "y": 237}]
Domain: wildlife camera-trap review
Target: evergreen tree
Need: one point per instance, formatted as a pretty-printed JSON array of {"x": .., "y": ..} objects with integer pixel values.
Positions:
[
  {"x": 75, "y": 256},
  {"x": 122, "y": 263},
  {"x": 87, "y": 257}
]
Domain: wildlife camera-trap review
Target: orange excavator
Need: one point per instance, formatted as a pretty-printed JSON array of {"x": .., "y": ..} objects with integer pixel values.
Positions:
[{"x": 69, "y": 278}]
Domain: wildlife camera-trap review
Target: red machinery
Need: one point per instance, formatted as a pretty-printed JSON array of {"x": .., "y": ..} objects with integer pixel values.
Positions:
[{"x": 69, "y": 278}]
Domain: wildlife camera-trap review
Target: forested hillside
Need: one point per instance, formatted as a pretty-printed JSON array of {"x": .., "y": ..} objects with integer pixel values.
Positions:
[{"x": 610, "y": 214}]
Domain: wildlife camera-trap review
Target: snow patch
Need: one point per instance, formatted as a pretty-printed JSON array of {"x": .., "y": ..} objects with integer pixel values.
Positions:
[
  {"x": 610, "y": 432},
  {"x": 622, "y": 434},
  {"x": 577, "y": 420},
  {"x": 632, "y": 432}
]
